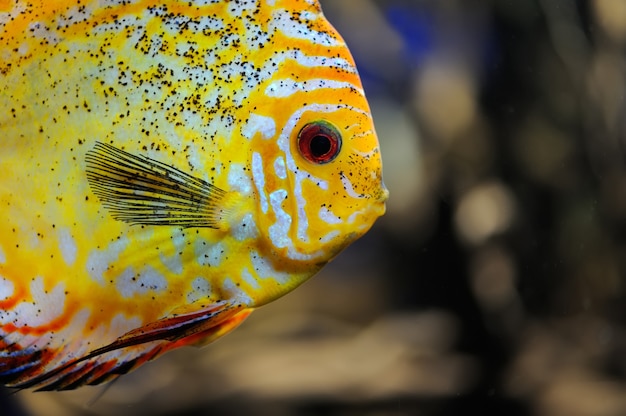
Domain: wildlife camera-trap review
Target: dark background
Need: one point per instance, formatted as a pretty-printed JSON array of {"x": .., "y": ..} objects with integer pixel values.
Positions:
[{"x": 495, "y": 283}]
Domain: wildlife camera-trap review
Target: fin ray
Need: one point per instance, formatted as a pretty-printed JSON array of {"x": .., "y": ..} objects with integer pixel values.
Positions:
[
  {"x": 142, "y": 191},
  {"x": 189, "y": 327}
]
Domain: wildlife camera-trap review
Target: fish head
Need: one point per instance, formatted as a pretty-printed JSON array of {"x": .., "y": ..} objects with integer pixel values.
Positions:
[
  {"x": 316, "y": 165},
  {"x": 322, "y": 185},
  {"x": 339, "y": 172}
]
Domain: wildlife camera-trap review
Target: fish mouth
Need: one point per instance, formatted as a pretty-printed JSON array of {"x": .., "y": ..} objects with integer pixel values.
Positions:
[
  {"x": 381, "y": 197},
  {"x": 383, "y": 193}
]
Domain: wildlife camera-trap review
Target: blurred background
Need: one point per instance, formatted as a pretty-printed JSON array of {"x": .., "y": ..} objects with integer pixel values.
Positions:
[{"x": 495, "y": 283}]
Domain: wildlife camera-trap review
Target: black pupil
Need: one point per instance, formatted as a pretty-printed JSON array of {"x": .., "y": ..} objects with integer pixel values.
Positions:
[{"x": 320, "y": 145}]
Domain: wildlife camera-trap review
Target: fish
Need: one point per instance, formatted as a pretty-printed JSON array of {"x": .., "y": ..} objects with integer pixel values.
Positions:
[{"x": 167, "y": 167}]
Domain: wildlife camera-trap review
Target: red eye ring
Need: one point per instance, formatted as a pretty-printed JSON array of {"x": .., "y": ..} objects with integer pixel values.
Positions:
[{"x": 319, "y": 142}]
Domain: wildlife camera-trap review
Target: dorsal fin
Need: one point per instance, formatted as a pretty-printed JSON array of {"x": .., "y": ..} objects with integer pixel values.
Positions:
[{"x": 139, "y": 190}]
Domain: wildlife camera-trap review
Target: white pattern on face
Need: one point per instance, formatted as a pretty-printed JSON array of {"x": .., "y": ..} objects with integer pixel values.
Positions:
[
  {"x": 308, "y": 61},
  {"x": 68, "y": 247},
  {"x": 201, "y": 288},
  {"x": 279, "y": 167},
  {"x": 246, "y": 229},
  {"x": 130, "y": 283},
  {"x": 258, "y": 176},
  {"x": 121, "y": 324},
  {"x": 347, "y": 185},
  {"x": 234, "y": 292},
  {"x": 249, "y": 279},
  {"x": 18, "y": 8},
  {"x": 40, "y": 30},
  {"x": 287, "y": 87},
  {"x": 291, "y": 27},
  {"x": 279, "y": 231},
  {"x": 238, "y": 180},
  {"x": 259, "y": 124},
  {"x": 209, "y": 254},
  {"x": 328, "y": 216},
  {"x": 173, "y": 263},
  {"x": 45, "y": 306},
  {"x": 264, "y": 269},
  {"x": 330, "y": 237},
  {"x": 99, "y": 261},
  {"x": 7, "y": 288},
  {"x": 300, "y": 175},
  {"x": 240, "y": 7},
  {"x": 77, "y": 324}
]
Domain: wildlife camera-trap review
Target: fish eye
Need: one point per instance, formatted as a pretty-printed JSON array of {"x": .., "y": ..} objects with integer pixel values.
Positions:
[{"x": 319, "y": 142}]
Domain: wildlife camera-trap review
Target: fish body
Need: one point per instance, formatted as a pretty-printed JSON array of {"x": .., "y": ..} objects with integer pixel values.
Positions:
[{"x": 166, "y": 167}]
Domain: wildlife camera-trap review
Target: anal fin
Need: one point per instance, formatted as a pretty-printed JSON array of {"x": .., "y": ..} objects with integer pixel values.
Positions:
[
  {"x": 210, "y": 334},
  {"x": 196, "y": 324}
]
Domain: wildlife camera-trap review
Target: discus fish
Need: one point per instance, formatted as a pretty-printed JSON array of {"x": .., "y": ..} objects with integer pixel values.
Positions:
[{"x": 165, "y": 168}]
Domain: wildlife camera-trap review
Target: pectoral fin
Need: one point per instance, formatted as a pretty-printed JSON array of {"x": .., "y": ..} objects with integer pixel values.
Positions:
[{"x": 139, "y": 190}]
